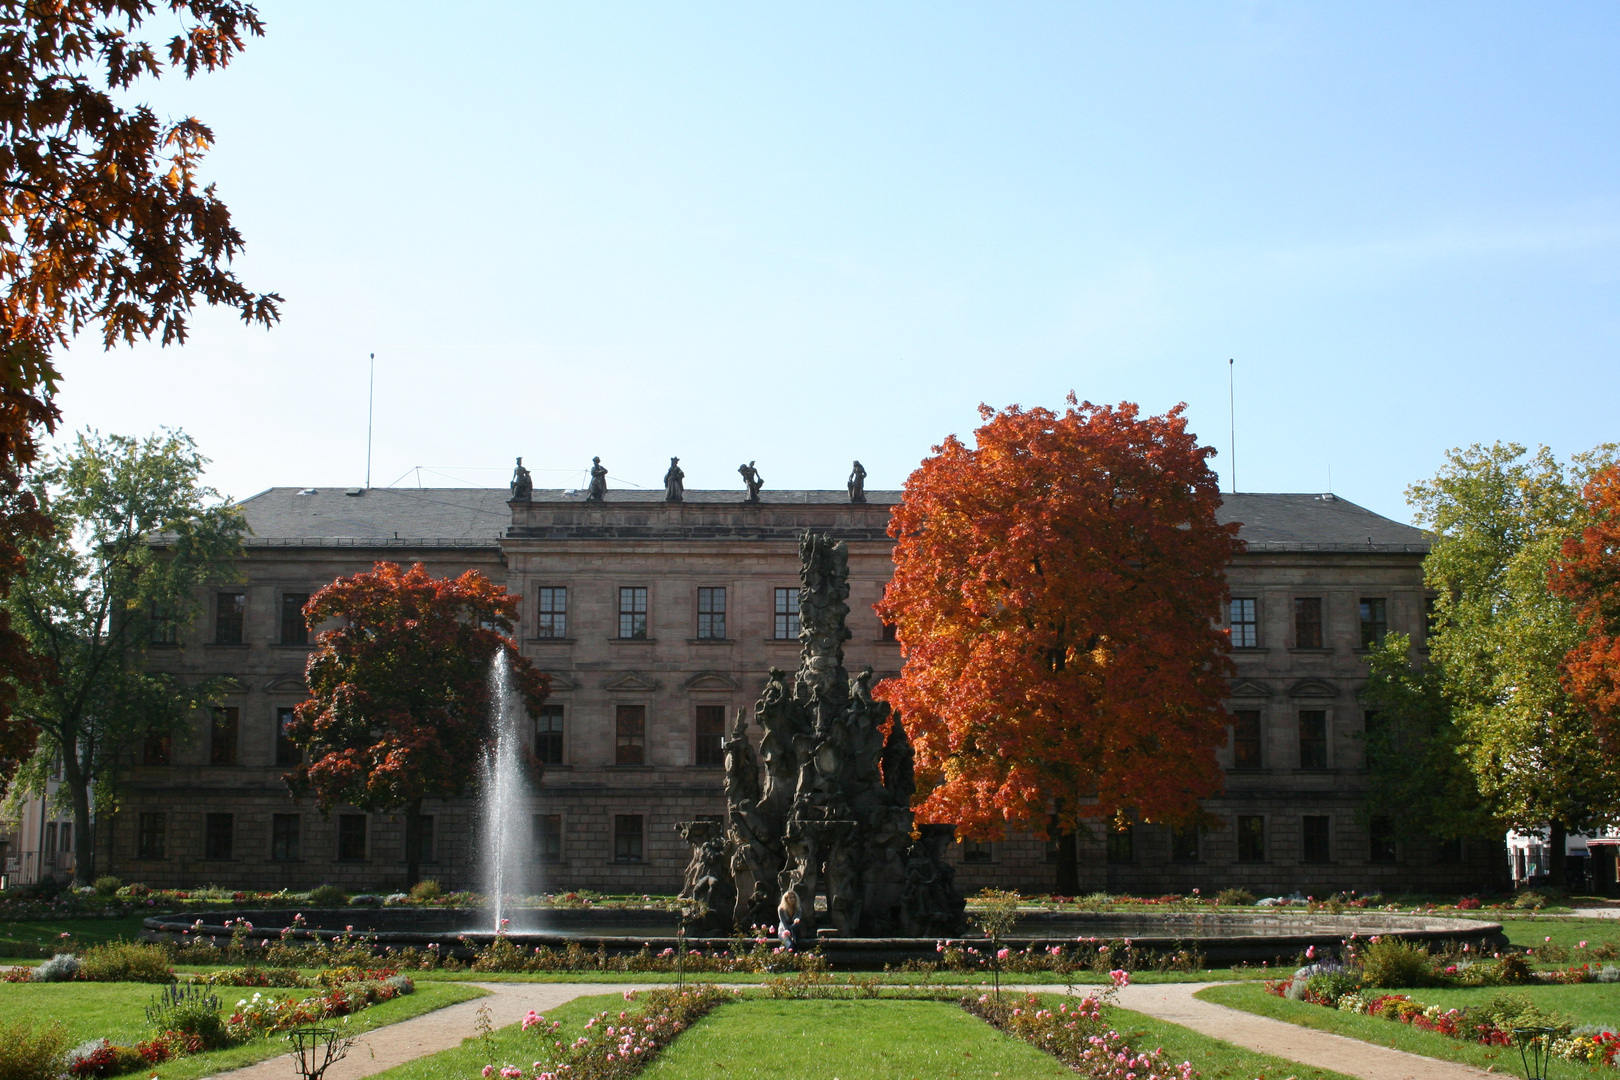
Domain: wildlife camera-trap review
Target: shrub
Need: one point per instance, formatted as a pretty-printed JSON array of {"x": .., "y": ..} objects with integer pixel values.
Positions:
[
  {"x": 29, "y": 1053},
  {"x": 426, "y": 890},
  {"x": 134, "y": 891},
  {"x": 190, "y": 1011},
  {"x": 366, "y": 900},
  {"x": 100, "y": 1058},
  {"x": 211, "y": 892},
  {"x": 63, "y": 967},
  {"x": 1530, "y": 900},
  {"x": 126, "y": 961},
  {"x": 1332, "y": 985},
  {"x": 328, "y": 896},
  {"x": 107, "y": 885},
  {"x": 1235, "y": 898},
  {"x": 1390, "y": 962}
]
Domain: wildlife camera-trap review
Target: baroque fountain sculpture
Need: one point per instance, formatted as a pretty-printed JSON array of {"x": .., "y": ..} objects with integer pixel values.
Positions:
[{"x": 832, "y": 816}]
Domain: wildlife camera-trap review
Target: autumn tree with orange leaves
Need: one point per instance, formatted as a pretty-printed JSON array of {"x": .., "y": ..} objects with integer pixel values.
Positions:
[
  {"x": 400, "y": 707},
  {"x": 1056, "y": 593},
  {"x": 1588, "y": 574}
]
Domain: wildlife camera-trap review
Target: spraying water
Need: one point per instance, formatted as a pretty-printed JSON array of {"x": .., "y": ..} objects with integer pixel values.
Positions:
[{"x": 507, "y": 860}]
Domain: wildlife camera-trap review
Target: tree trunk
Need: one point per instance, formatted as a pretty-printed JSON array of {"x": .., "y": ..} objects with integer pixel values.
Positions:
[
  {"x": 413, "y": 842},
  {"x": 1557, "y": 859},
  {"x": 1068, "y": 861},
  {"x": 78, "y": 785}
]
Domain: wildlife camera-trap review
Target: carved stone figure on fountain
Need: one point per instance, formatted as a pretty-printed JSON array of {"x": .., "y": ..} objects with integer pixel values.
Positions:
[
  {"x": 708, "y": 886},
  {"x": 833, "y": 817}
]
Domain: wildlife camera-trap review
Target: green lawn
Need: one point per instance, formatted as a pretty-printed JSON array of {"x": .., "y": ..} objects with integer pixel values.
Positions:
[
  {"x": 116, "y": 1011},
  {"x": 764, "y": 1039},
  {"x": 1588, "y": 1002},
  {"x": 28, "y": 937},
  {"x": 1530, "y": 931}
]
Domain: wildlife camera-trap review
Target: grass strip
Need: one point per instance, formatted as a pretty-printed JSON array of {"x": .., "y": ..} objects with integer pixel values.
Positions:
[{"x": 116, "y": 1011}]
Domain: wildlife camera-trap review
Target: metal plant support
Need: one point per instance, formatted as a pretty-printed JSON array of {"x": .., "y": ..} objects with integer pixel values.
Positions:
[
  {"x": 317, "y": 1049},
  {"x": 1535, "y": 1050}
]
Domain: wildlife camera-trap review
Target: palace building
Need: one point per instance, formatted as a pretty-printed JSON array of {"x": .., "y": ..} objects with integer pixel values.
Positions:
[{"x": 658, "y": 620}]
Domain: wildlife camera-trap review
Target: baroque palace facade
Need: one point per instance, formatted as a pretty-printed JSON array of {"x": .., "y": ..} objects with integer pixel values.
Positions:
[{"x": 659, "y": 620}]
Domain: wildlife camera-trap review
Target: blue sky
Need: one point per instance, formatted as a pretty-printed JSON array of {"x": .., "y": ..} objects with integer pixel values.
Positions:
[{"x": 802, "y": 234}]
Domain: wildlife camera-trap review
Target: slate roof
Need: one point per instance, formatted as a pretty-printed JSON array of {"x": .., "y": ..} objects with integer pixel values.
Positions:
[{"x": 479, "y": 517}]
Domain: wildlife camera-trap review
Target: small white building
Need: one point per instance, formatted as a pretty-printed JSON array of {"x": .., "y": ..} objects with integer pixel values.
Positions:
[
  {"x": 39, "y": 843},
  {"x": 1591, "y": 859}
]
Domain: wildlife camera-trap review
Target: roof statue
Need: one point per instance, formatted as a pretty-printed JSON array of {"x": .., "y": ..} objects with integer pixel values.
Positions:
[
  {"x": 674, "y": 490},
  {"x": 522, "y": 483},
  {"x": 833, "y": 816},
  {"x": 753, "y": 480},
  {"x": 598, "y": 489},
  {"x": 857, "y": 484}
]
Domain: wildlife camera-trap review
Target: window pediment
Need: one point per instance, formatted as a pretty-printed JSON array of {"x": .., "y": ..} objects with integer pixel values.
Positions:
[{"x": 631, "y": 681}]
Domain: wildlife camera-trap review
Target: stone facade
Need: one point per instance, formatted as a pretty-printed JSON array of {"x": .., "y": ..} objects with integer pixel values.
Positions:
[{"x": 658, "y": 620}]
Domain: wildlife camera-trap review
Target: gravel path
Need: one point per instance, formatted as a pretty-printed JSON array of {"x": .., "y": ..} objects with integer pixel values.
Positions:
[
  {"x": 431, "y": 1032},
  {"x": 1175, "y": 1002}
]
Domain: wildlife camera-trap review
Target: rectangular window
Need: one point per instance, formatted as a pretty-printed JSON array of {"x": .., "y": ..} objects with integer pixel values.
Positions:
[
  {"x": 165, "y": 628},
  {"x": 548, "y": 735},
  {"x": 1315, "y": 829},
  {"x": 222, "y": 735},
  {"x": 711, "y": 614},
  {"x": 218, "y": 835},
  {"x": 66, "y": 846},
  {"x": 975, "y": 852},
  {"x": 1184, "y": 845},
  {"x": 1313, "y": 743},
  {"x": 630, "y": 735},
  {"x": 230, "y": 609},
  {"x": 48, "y": 835},
  {"x": 633, "y": 613},
  {"x": 424, "y": 837},
  {"x": 294, "y": 631},
  {"x": 1244, "y": 623},
  {"x": 1451, "y": 851},
  {"x": 1307, "y": 622},
  {"x": 287, "y": 753},
  {"x": 1374, "y": 622},
  {"x": 284, "y": 837},
  {"x": 890, "y": 631},
  {"x": 1050, "y": 852},
  {"x": 1251, "y": 838},
  {"x": 157, "y": 749},
  {"x": 553, "y": 620},
  {"x": 787, "y": 615},
  {"x": 351, "y": 837},
  {"x": 711, "y": 735},
  {"x": 548, "y": 837},
  {"x": 1121, "y": 845},
  {"x": 1245, "y": 738},
  {"x": 151, "y": 834},
  {"x": 1381, "y": 839},
  {"x": 627, "y": 838}
]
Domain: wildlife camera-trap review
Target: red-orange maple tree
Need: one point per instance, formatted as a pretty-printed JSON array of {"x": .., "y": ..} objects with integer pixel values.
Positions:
[
  {"x": 400, "y": 706},
  {"x": 1588, "y": 573},
  {"x": 1056, "y": 594}
]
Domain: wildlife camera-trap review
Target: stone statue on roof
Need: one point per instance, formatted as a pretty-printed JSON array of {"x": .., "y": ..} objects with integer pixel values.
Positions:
[
  {"x": 522, "y": 484},
  {"x": 674, "y": 490},
  {"x": 857, "y": 484},
  {"x": 598, "y": 489},
  {"x": 752, "y": 479}
]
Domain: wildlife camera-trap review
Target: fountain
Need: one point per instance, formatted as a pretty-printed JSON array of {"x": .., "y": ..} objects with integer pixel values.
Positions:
[{"x": 509, "y": 865}]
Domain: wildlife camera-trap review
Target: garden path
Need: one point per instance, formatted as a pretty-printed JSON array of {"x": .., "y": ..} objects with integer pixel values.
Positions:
[
  {"x": 1175, "y": 1003},
  {"x": 443, "y": 1029}
]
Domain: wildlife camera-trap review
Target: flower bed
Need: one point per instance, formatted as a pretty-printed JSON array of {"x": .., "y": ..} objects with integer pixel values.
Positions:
[
  {"x": 612, "y": 1048},
  {"x": 1078, "y": 1035}
]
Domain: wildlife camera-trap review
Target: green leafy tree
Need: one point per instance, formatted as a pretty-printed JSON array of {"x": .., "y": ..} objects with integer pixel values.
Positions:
[
  {"x": 1417, "y": 773},
  {"x": 136, "y": 534},
  {"x": 1499, "y": 518},
  {"x": 400, "y": 696}
]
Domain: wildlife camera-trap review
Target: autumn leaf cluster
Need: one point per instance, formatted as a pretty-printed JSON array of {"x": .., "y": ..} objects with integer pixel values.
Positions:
[
  {"x": 400, "y": 692},
  {"x": 1057, "y": 593},
  {"x": 1588, "y": 574}
]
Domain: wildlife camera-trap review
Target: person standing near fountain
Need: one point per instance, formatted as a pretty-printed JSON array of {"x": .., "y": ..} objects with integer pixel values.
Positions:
[{"x": 787, "y": 920}]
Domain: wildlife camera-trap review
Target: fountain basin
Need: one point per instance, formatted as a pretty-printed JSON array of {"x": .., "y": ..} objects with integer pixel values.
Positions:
[{"x": 1223, "y": 937}]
